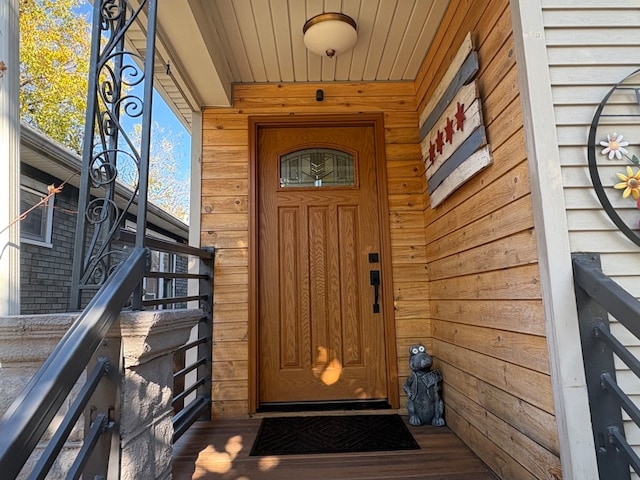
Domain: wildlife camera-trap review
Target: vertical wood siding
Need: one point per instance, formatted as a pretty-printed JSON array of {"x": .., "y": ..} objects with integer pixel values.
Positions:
[
  {"x": 225, "y": 216},
  {"x": 591, "y": 46},
  {"x": 488, "y": 331}
]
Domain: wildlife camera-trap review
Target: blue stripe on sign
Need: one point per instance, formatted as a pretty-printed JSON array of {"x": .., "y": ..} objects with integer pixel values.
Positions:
[
  {"x": 466, "y": 73},
  {"x": 476, "y": 140}
]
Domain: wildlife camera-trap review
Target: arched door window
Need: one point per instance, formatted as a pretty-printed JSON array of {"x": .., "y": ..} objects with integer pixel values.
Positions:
[{"x": 317, "y": 167}]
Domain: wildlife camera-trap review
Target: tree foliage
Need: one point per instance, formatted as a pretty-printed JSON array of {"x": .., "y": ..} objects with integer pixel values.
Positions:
[
  {"x": 168, "y": 182},
  {"x": 54, "y": 68},
  {"x": 55, "y": 42}
]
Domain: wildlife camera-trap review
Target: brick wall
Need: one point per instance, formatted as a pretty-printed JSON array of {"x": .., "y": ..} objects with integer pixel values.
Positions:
[{"x": 45, "y": 276}]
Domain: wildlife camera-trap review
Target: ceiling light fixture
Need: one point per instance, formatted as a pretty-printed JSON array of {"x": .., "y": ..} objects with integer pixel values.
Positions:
[{"x": 330, "y": 34}]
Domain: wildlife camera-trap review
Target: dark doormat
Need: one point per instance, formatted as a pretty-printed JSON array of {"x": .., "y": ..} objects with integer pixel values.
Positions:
[{"x": 332, "y": 434}]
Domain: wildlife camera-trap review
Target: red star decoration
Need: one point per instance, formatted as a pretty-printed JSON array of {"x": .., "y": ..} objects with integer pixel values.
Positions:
[
  {"x": 460, "y": 117},
  {"x": 449, "y": 130},
  {"x": 432, "y": 152},
  {"x": 439, "y": 142}
]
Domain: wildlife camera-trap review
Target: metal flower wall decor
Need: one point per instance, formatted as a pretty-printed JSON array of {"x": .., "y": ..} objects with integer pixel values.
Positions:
[
  {"x": 629, "y": 181},
  {"x": 613, "y": 166}
]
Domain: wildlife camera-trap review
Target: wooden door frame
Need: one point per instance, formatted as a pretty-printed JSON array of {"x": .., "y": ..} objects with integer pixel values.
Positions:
[{"x": 375, "y": 120}]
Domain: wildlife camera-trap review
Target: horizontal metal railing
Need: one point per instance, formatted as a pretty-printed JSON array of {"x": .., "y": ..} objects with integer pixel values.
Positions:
[
  {"x": 24, "y": 424},
  {"x": 128, "y": 238},
  {"x": 185, "y": 416},
  {"x": 192, "y": 400},
  {"x": 192, "y": 396},
  {"x": 598, "y": 296}
]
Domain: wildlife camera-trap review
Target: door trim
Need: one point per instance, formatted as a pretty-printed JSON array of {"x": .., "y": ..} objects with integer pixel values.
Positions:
[{"x": 375, "y": 120}]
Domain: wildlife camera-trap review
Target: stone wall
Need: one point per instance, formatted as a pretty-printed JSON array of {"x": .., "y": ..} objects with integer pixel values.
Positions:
[
  {"x": 26, "y": 343},
  {"x": 146, "y": 341}
]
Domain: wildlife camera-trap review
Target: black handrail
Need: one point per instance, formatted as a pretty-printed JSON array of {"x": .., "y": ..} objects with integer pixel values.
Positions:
[
  {"x": 597, "y": 297},
  {"x": 56, "y": 443},
  {"x": 30, "y": 414},
  {"x": 611, "y": 296}
]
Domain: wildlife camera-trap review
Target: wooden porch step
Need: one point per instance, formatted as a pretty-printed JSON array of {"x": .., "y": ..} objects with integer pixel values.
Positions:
[{"x": 220, "y": 450}]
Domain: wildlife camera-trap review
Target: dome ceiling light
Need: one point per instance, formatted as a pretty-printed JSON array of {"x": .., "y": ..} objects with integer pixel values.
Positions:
[{"x": 330, "y": 34}]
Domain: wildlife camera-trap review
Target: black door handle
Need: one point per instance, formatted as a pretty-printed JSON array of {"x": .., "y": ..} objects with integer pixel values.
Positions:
[{"x": 374, "y": 276}]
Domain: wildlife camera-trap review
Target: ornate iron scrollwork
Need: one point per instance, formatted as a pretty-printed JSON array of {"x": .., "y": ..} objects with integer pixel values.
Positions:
[{"x": 119, "y": 95}]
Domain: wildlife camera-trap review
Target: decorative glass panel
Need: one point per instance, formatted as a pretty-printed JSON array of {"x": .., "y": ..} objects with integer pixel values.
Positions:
[{"x": 317, "y": 167}]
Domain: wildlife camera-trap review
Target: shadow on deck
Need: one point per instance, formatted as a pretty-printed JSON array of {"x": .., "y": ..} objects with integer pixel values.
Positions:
[{"x": 220, "y": 450}]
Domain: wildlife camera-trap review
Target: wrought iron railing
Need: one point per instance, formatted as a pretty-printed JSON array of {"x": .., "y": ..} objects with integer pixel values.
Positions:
[
  {"x": 32, "y": 412},
  {"x": 120, "y": 92},
  {"x": 107, "y": 273},
  {"x": 598, "y": 296}
]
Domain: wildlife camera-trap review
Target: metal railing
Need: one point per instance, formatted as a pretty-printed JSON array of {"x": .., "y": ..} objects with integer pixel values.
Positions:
[
  {"x": 108, "y": 276},
  {"x": 191, "y": 396},
  {"x": 598, "y": 296},
  {"x": 120, "y": 91},
  {"x": 32, "y": 413}
]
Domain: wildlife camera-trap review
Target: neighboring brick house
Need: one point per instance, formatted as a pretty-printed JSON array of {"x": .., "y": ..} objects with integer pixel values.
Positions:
[{"x": 47, "y": 233}]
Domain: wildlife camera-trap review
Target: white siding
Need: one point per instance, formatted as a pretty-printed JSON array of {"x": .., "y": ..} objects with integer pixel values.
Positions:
[{"x": 591, "y": 46}]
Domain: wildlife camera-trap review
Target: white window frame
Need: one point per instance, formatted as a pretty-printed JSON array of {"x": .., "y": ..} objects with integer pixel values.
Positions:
[{"x": 39, "y": 189}]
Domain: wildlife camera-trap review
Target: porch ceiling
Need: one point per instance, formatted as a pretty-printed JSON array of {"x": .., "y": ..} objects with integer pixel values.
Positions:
[{"x": 203, "y": 47}]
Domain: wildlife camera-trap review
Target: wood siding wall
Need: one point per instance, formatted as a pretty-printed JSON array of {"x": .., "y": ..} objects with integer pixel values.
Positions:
[
  {"x": 485, "y": 299},
  {"x": 591, "y": 46},
  {"x": 225, "y": 217},
  {"x": 466, "y": 279}
]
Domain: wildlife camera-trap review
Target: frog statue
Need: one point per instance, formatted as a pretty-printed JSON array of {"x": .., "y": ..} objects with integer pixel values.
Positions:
[{"x": 423, "y": 389}]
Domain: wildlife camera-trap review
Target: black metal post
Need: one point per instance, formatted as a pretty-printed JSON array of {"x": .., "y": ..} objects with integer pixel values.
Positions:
[
  {"x": 598, "y": 360},
  {"x": 143, "y": 179},
  {"x": 205, "y": 329},
  {"x": 85, "y": 190}
]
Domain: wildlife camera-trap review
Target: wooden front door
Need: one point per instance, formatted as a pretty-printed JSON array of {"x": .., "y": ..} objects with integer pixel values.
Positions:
[{"x": 321, "y": 338}]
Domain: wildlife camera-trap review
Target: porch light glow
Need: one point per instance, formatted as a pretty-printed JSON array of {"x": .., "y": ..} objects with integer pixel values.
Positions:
[{"x": 330, "y": 34}]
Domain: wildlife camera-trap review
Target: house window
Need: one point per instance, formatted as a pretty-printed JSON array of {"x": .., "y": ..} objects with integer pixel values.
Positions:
[
  {"x": 160, "y": 287},
  {"x": 37, "y": 225},
  {"x": 163, "y": 262}
]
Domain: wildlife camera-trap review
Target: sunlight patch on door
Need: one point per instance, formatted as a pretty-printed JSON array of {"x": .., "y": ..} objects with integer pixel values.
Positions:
[{"x": 327, "y": 367}]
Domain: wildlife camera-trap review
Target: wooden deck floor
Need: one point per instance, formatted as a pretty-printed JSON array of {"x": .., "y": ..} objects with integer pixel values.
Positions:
[{"x": 220, "y": 450}]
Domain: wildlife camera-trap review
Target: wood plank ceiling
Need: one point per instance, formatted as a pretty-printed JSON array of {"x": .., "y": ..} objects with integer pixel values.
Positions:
[{"x": 205, "y": 46}]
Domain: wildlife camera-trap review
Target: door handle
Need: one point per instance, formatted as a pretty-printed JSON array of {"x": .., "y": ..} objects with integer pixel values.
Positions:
[{"x": 374, "y": 276}]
